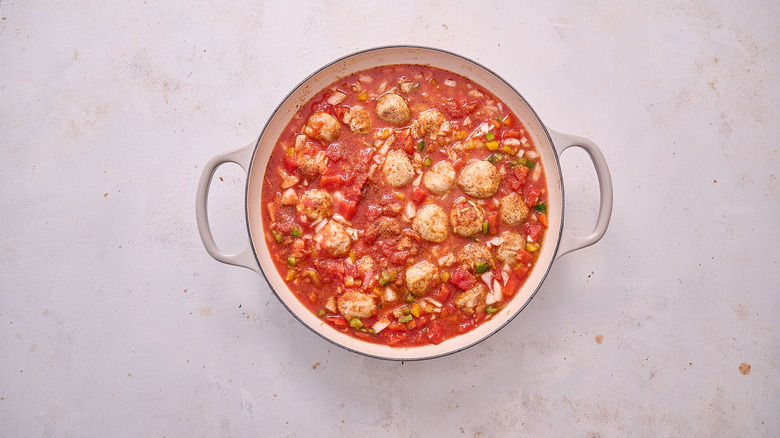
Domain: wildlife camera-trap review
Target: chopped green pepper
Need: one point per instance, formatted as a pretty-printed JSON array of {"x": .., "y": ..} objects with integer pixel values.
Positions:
[
  {"x": 321, "y": 313},
  {"x": 356, "y": 323},
  {"x": 421, "y": 145},
  {"x": 295, "y": 231},
  {"x": 485, "y": 227},
  {"x": 292, "y": 260},
  {"x": 498, "y": 156},
  {"x": 427, "y": 161},
  {"x": 409, "y": 298},
  {"x": 490, "y": 136},
  {"x": 527, "y": 163},
  {"x": 493, "y": 309},
  {"x": 277, "y": 236},
  {"x": 481, "y": 268},
  {"x": 540, "y": 207},
  {"x": 405, "y": 318},
  {"x": 387, "y": 277}
]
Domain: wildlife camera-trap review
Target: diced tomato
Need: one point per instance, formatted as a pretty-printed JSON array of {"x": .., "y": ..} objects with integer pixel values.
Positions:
[
  {"x": 330, "y": 182},
  {"x": 290, "y": 163},
  {"x": 418, "y": 195},
  {"x": 467, "y": 325},
  {"x": 495, "y": 123},
  {"x": 520, "y": 172},
  {"x": 511, "y": 286},
  {"x": 397, "y": 327},
  {"x": 350, "y": 269},
  {"x": 493, "y": 223},
  {"x": 462, "y": 279},
  {"x": 334, "y": 152},
  {"x": 524, "y": 256},
  {"x": 347, "y": 208},
  {"x": 452, "y": 108},
  {"x": 394, "y": 338},
  {"x": 403, "y": 138},
  {"x": 374, "y": 212},
  {"x": 466, "y": 106},
  {"x": 340, "y": 111},
  {"x": 531, "y": 195},
  {"x": 534, "y": 230},
  {"x": 522, "y": 272},
  {"x": 510, "y": 133},
  {"x": 435, "y": 332},
  {"x": 336, "y": 320},
  {"x": 441, "y": 294},
  {"x": 349, "y": 177}
]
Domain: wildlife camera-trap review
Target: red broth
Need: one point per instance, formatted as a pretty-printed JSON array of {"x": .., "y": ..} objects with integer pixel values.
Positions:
[{"x": 412, "y": 219}]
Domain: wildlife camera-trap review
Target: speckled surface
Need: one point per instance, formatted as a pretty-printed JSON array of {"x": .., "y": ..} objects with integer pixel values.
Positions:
[{"x": 115, "y": 321}]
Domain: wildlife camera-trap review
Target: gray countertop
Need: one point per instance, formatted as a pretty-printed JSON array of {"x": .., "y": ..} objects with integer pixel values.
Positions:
[{"x": 115, "y": 321}]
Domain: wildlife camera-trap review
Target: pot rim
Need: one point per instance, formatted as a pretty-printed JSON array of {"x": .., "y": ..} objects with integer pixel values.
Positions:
[{"x": 458, "y": 348}]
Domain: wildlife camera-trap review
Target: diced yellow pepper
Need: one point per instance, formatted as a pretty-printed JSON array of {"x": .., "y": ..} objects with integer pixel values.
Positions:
[
  {"x": 290, "y": 152},
  {"x": 445, "y": 276},
  {"x": 362, "y": 96},
  {"x": 290, "y": 275},
  {"x": 508, "y": 150},
  {"x": 416, "y": 310},
  {"x": 460, "y": 135},
  {"x": 531, "y": 247},
  {"x": 492, "y": 145}
]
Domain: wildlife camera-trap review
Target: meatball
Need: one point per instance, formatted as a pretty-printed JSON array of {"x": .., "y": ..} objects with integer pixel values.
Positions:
[
  {"x": 322, "y": 126},
  {"x": 381, "y": 228},
  {"x": 469, "y": 300},
  {"x": 479, "y": 179},
  {"x": 354, "y": 304},
  {"x": 430, "y": 122},
  {"x": 393, "y": 109},
  {"x": 315, "y": 204},
  {"x": 431, "y": 223},
  {"x": 476, "y": 258},
  {"x": 513, "y": 243},
  {"x": 398, "y": 168},
  {"x": 312, "y": 163},
  {"x": 440, "y": 178},
  {"x": 466, "y": 219},
  {"x": 334, "y": 238},
  {"x": 359, "y": 120},
  {"x": 421, "y": 277},
  {"x": 513, "y": 209}
]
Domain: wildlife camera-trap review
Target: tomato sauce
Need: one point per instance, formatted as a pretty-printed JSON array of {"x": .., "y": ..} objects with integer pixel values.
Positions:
[{"x": 404, "y": 205}]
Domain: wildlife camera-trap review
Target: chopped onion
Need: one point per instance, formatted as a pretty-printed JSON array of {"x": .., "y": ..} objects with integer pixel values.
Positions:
[
  {"x": 487, "y": 277},
  {"x": 380, "y": 325},
  {"x": 496, "y": 241},
  {"x": 434, "y": 302},
  {"x": 447, "y": 260},
  {"x": 336, "y": 98},
  {"x": 320, "y": 226},
  {"x": 450, "y": 83},
  {"x": 417, "y": 181},
  {"x": 411, "y": 210},
  {"x": 390, "y": 294},
  {"x": 505, "y": 276}
]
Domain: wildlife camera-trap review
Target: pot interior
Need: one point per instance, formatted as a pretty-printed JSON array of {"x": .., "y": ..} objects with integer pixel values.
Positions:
[{"x": 403, "y": 55}]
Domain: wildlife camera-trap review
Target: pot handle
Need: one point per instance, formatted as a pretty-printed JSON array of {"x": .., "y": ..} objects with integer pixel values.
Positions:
[
  {"x": 245, "y": 257},
  {"x": 570, "y": 242}
]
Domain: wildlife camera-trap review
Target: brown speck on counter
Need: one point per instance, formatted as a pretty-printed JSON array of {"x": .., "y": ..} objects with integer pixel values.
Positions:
[
  {"x": 314, "y": 367},
  {"x": 206, "y": 311},
  {"x": 744, "y": 368},
  {"x": 220, "y": 178},
  {"x": 599, "y": 339},
  {"x": 715, "y": 181},
  {"x": 105, "y": 194}
]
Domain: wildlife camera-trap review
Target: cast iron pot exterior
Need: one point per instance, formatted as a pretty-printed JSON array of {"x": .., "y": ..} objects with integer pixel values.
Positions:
[{"x": 253, "y": 158}]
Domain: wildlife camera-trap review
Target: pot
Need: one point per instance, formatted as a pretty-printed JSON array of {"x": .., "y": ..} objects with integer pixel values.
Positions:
[{"x": 550, "y": 144}]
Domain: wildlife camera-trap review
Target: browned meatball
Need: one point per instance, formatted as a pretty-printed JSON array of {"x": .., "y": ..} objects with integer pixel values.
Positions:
[
  {"x": 513, "y": 209},
  {"x": 479, "y": 179},
  {"x": 322, "y": 126},
  {"x": 466, "y": 219},
  {"x": 315, "y": 204},
  {"x": 359, "y": 120},
  {"x": 470, "y": 300},
  {"x": 393, "y": 109},
  {"x": 430, "y": 122},
  {"x": 421, "y": 277},
  {"x": 476, "y": 258}
]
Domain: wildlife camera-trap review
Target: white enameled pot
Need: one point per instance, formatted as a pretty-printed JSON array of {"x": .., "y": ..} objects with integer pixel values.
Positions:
[{"x": 253, "y": 158}]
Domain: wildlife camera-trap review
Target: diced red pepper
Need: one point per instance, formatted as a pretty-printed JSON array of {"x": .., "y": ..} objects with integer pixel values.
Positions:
[
  {"x": 510, "y": 133},
  {"x": 462, "y": 279},
  {"x": 334, "y": 152},
  {"x": 403, "y": 138},
  {"x": 531, "y": 195},
  {"x": 511, "y": 286},
  {"x": 418, "y": 195},
  {"x": 524, "y": 256}
]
